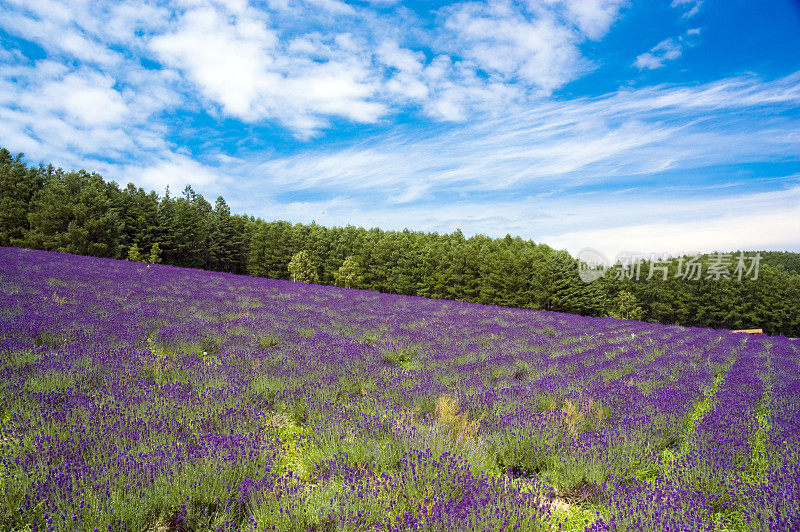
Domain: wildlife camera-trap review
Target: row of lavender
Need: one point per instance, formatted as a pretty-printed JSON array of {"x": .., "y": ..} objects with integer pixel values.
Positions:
[{"x": 136, "y": 397}]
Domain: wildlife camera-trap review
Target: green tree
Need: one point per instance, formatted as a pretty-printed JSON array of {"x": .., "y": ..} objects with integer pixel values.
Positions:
[
  {"x": 302, "y": 268},
  {"x": 74, "y": 213},
  {"x": 349, "y": 273},
  {"x": 270, "y": 250},
  {"x": 155, "y": 254},
  {"x": 626, "y": 307},
  {"x": 191, "y": 227},
  {"x": 139, "y": 214},
  {"x": 133, "y": 253},
  {"x": 18, "y": 185}
]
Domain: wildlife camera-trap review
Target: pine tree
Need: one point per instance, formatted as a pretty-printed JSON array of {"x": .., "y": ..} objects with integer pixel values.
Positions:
[
  {"x": 139, "y": 213},
  {"x": 73, "y": 213},
  {"x": 270, "y": 250},
  {"x": 222, "y": 240},
  {"x": 18, "y": 185}
]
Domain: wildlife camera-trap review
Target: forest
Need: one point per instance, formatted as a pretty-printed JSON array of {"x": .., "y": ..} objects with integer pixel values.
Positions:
[{"x": 48, "y": 208}]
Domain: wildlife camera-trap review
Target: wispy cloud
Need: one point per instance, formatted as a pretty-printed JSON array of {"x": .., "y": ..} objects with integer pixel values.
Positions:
[
  {"x": 75, "y": 115},
  {"x": 572, "y": 142},
  {"x": 667, "y": 50},
  {"x": 690, "y": 7},
  {"x": 177, "y": 171},
  {"x": 535, "y": 173},
  {"x": 753, "y": 221}
]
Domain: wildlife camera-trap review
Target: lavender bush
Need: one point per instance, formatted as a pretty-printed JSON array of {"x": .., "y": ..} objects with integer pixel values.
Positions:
[{"x": 138, "y": 397}]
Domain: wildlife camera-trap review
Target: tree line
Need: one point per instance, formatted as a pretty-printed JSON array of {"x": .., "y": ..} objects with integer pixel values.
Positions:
[{"x": 79, "y": 212}]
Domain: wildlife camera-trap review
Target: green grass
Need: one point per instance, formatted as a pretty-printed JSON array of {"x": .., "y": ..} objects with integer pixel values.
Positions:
[
  {"x": 49, "y": 381},
  {"x": 616, "y": 374},
  {"x": 575, "y": 517},
  {"x": 355, "y": 386},
  {"x": 404, "y": 357},
  {"x": 267, "y": 388},
  {"x": 17, "y": 358},
  {"x": 370, "y": 337},
  {"x": 265, "y": 340}
]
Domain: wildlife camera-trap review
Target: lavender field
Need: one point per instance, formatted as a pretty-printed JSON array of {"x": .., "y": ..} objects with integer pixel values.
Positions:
[{"x": 138, "y": 397}]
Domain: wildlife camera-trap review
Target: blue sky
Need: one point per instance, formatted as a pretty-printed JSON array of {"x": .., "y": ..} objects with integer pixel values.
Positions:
[{"x": 659, "y": 126}]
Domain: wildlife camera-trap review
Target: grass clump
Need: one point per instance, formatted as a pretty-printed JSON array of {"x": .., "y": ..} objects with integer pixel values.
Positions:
[
  {"x": 267, "y": 340},
  {"x": 295, "y": 442},
  {"x": 575, "y": 517},
  {"x": 493, "y": 375},
  {"x": 524, "y": 452},
  {"x": 521, "y": 370},
  {"x": 616, "y": 374},
  {"x": 307, "y": 332},
  {"x": 266, "y": 389},
  {"x": 403, "y": 357},
  {"x": 51, "y": 340},
  {"x": 463, "y": 360},
  {"x": 458, "y": 423},
  {"x": 583, "y": 414},
  {"x": 549, "y": 330},
  {"x": 370, "y": 337},
  {"x": 355, "y": 386},
  {"x": 208, "y": 346},
  {"x": 163, "y": 371}
]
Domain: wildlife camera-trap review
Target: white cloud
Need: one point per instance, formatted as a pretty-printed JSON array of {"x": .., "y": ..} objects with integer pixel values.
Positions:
[
  {"x": 87, "y": 98},
  {"x": 227, "y": 60},
  {"x": 80, "y": 117},
  {"x": 85, "y": 31},
  {"x": 240, "y": 61},
  {"x": 744, "y": 222},
  {"x": 306, "y": 63},
  {"x": 692, "y": 6},
  {"x": 666, "y": 50},
  {"x": 334, "y": 6},
  {"x": 176, "y": 171},
  {"x": 592, "y": 17},
  {"x": 503, "y": 41},
  {"x": 50, "y": 108},
  {"x": 123, "y": 81},
  {"x": 535, "y": 173}
]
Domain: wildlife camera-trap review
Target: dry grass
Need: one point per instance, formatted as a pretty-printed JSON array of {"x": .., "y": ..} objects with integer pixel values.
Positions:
[
  {"x": 578, "y": 414},
  {"x": 582, "y": 414},
  {"x": 459, "y": 423}
]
